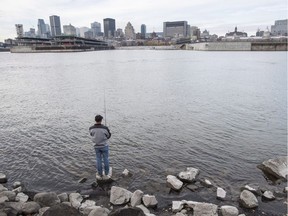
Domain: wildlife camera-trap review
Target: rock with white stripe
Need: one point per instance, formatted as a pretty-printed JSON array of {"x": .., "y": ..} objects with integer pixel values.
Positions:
[{"x": 268, "y": 195}]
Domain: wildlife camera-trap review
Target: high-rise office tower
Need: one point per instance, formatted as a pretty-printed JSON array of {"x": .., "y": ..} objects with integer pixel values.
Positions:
[
  {"x": 175, "y": 29},
  {"x": 19, "y": 30},
  {"x": 41, "y": 28},
  {"x": 129, "y": 31},
  {"x": 143, "y": 31},
  {"x": 55, "y": 25},
  {"x": 109, "y": 27},
  {"x": 96, "y": 28}
]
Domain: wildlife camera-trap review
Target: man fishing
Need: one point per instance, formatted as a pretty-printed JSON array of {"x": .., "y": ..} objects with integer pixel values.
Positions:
[{"x": 100, "y": 135}]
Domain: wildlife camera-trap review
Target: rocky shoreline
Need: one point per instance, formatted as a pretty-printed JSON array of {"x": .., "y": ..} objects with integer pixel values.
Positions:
[{"x": 18, "y": 201}]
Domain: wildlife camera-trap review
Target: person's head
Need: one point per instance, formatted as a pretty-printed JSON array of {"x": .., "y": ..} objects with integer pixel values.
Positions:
[{"x": 98, "y": 119}]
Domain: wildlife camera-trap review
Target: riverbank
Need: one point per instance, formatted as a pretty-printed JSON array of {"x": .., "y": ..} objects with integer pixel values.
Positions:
[{"x": 111, "y": 197}]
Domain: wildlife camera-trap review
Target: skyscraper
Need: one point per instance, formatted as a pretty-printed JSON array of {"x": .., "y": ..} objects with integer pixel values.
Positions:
[
  {"x": 175, "y": 29},
  {"x": 129, "y": 31},
  {"x": 96, "y": 28},
  {"x": 55, "y": 25},
  {"x": 19, "y": 30},
  {"x": 143, "y": 31},
  {"x": 41, "y": 28},
  {"x": 109, "y": 27}
]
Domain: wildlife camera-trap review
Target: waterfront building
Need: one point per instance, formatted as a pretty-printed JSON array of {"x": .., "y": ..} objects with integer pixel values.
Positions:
[
  {"x": 55, "y": 25},
  {"x": 69, "y": 30},
  {"x": 236, "y": 34},
  {"x": 143, "y": 31},
  {"x": 279, "y": 28},
  {"x": 19, "y": 30},
  {"x": 129, "y": 32},
  {"x": 96, "y": 28},
  {"x": 109, "y": 27},
  {"x": 175, "y": 29}
]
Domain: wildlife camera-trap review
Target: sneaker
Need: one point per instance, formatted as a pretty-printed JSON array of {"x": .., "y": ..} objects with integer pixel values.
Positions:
[{"x": 98, "y": 177}]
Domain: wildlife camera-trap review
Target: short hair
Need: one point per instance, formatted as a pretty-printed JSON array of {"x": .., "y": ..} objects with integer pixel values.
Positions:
[{"x": 98, "y": 118}]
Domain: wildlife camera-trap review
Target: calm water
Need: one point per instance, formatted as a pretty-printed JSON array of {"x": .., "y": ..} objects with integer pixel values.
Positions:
[{"x": 221, "y": 112}]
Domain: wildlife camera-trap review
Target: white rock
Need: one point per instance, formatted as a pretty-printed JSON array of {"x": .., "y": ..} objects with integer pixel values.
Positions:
[
  {"x": 268, "y": 195},
  {"x": 125, "y": 172},
  {"x": 149, "y": 201},
  {"x": 75, "y": 199},
  {"x": 87, "y": 204},
  {"x": 285, "y": 190},
  {"x": 144, "y": 209},
  {"x": 174, "y": 183},
  {"x": 276, "y": 167},
  {"x": 177, "y": 206},
  {"x": 149, "y": 214},
  {"x": 221, "y": 193},
  {"x": 136, "y": 198},
  {"x": 17, "y": 184},
  {"x": 189, "y": 175},
  {"x": 21, "y": 197},
  {"x": 207, "y": 183},
  {"x": 99, "y": 212},
  {"x": 248, "y": 199},
  {"x": 242, "y": 215},
  {"x": 229, "y": 211},
  {"x": 202, "y": 209},
  {"x": 87, "y": 210},
  {"x": 119, "y": 195},
  {"x": 2, "y": 188}
]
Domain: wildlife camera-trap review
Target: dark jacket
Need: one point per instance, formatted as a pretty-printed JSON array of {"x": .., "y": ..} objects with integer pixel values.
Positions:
[{"x": 100, "y": 134}]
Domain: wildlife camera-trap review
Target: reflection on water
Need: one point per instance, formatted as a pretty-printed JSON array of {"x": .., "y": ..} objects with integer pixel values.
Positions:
[{"x": 221, "y": 112}]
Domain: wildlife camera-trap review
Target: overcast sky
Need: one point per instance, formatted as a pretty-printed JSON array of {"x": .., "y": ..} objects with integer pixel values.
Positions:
[{"x": 217, "y": 16}]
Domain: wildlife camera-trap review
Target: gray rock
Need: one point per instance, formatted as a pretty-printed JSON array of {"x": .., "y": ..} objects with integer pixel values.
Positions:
[
  {"x": 4, "y": 199},
  {"x": 180, "y": 214},
  {"x": 17, "y": 190},
  {"x": 87, "y": 206},
  {"x": 30, "y": 208},
  {"x": 177, "y": 206},
  {"x": 248, "y": 199},
  {"x": 3, "y": 213},
  {"x": 47, "y": 199},
  {"x": 87, "y": 210},
  {"x": 192, "y": 187},
  {"x": 21, "y": 197},
  {"x": 174, "y": 183},
  {"x": 276, "y": 167},
  {"x": 202, "y": 209},
  {"x": 189, "y": 175},
  {"x": 119, "y": 195},
  {"x": 229, "y": 211},
  {"x": 99, "y": 212},
  {"x": 42, "y": 210},
  {"x": 10, "y": 194},
  {"x": 285, "y": 190},
  {"x": 127, "y": 212},
  {"x": 63, "y": 197},
  {"x": 17, "y": 184},
  {"x": 67, "y": 203},
  {"x": 2, "y": 188},
  {"x": 254, "y": 189},
  {"x": 61, "y": 210},
  {"x": 16, "y": 207},
  {"x": 75, "y": 200},
  {"x": 268, "y": 195},
  {"x": 221, "y": 193},
  {"x": 144, "y": 209},
  {"x": 136, "y": 198},
  {"x": 149, "y": 201},
  {"x": 3, "y": 178}
]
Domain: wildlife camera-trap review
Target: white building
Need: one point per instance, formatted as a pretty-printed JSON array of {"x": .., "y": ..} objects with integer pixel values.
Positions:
[
  {"x": 129, "y": 32},
  {"x": 279, "y": 28},
  {"x": 69, "y": 30}
]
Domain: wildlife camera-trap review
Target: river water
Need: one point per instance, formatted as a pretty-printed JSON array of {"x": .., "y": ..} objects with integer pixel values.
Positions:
[{"x": 221, "y": 112}]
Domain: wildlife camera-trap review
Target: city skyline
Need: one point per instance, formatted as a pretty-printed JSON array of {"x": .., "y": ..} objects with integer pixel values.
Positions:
[{"x": 217, "y": 17}]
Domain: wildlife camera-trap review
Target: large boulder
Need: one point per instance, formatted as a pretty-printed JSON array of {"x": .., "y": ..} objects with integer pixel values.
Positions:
[
  {"x": 136, "y": 198},
  {"x": 127, "y": 212},
  {"x": 119, "y": 195},
  {"x": 61, "y": 210},
  {"x": 99, "y": 212},
  {"x": 149, "y": 201},
  {"x": 276, "y": 167},
  {"x": 174, "y": 183},
  {"x": 229, "y": 211},
  {"x": 203, "y": 209},
  {"x": 189, "y": 175},
  {"x": 248, "y": 199},
  {"x": 46, "y": 199},
  {"x": 75, "y": 200},
  {"x": 30, "y": 208},
  {"x": 10, "y": 194}
]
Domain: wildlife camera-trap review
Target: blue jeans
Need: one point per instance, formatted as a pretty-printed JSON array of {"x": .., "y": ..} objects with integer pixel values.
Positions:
[{"x": 102, "y": 155}]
